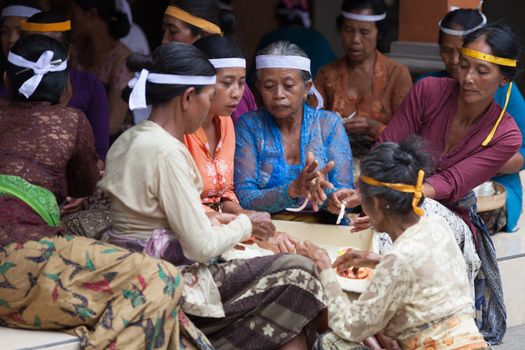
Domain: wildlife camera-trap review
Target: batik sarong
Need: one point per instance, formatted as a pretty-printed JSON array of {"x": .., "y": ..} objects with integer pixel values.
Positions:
[
  {"x": 267, "y": 302},
  {"x": 107, "y": 296},
  {"x": 453, "y": 333}
]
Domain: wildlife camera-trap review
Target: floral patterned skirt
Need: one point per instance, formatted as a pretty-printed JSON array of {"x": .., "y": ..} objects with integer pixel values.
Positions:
[{"x": 107, "y": 296}]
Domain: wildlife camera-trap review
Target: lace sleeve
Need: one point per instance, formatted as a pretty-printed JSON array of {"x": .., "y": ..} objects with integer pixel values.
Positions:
[
  {"x": 251, "y": 197},
  {"x": 338, "y": 148},
  {"x": 357, "y": 320}
]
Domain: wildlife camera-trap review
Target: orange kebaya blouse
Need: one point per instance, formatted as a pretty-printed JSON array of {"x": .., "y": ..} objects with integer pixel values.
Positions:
[{"x": 217, "y": 170}]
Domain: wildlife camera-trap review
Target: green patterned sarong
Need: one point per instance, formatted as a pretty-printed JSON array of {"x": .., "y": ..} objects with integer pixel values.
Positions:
[{"x": 40, "y": 199}]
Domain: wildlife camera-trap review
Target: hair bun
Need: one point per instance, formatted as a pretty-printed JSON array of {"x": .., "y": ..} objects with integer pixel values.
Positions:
[
  {"x": 137, "y": 62},
  {"x": 403, "y": 157},
  {"x": 119, "y": 25},
  {"x": 228, "y": 22}
]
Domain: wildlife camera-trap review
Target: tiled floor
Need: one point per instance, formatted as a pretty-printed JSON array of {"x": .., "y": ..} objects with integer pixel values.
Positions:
[{"x": 514, "y": 339}]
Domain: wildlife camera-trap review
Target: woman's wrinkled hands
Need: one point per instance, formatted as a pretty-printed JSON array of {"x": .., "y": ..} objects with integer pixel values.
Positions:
[
  {"x": 281, "y": 243},
  {"x": 364, "y": 126},
  {"x": 356, "y": 258},
  {"x": 72, "y": 205},
  {"x": 262, "y": 226},
  {"x": 320, "y": 185},
  {"x": 218, "y": 219},
  {"x": 300, "y": 187},
  {"x": 360, "y": 223},
  {"x": 350, "y": 198},
  {"x": 318, "y": 255},
  {"x": 311, "y": 182}
]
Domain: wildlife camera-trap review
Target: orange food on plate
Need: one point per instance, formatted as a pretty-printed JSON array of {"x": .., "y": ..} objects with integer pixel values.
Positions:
[{"x": 352, "y": 273}]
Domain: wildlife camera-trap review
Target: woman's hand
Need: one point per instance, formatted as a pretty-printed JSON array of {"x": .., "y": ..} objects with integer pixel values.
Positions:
[
  {"x": 349, "y": 197},
  {"x": 280, "y": 243},
  {"x": 71, "y": 205},
  {"x": 218, "y": 219},
  {"x": 300, "y": 187},
  {"x": 321, "y": 184},
  {"x": 318, "y": 255},
  {"x": 262, "y": 225},
  {"x": 364, "y": 126},
  {"x": 356, "y": 258},
  {"x": 360, "y": 223}
]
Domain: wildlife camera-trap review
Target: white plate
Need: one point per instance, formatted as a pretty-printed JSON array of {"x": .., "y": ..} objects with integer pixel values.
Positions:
[{"x": 348, "y": 284}]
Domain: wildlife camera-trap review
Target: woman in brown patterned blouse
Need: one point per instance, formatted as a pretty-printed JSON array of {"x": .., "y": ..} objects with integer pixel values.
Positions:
[
  {"x": 45, "y": 144},
  {"x": 364, "y": 84}
]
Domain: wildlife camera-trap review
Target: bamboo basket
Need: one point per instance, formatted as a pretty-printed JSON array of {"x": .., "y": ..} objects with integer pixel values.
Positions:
[{"x": 496, "y": 201}]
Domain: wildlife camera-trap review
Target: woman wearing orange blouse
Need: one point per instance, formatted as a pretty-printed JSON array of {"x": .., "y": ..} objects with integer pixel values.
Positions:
[
  {"x": 213, "y": 145},
  {"x": 365, "y": 87}
]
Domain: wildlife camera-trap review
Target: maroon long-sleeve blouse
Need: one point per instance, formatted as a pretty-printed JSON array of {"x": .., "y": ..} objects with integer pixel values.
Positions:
[{"x": 428, "y": 111}]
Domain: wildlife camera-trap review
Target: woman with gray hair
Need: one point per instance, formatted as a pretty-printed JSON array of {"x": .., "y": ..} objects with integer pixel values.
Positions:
[{"x": 288, "y": 153}]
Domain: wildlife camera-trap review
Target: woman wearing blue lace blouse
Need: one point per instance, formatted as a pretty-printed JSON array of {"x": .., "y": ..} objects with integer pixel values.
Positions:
[{"x": 287, "y": 151}]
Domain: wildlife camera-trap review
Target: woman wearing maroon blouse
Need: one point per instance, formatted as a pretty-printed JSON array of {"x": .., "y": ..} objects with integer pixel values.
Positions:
[{"x": 471, "y": 138}]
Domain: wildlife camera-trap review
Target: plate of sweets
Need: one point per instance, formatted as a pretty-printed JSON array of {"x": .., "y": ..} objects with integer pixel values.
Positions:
[{"x": 353, "y": 279}]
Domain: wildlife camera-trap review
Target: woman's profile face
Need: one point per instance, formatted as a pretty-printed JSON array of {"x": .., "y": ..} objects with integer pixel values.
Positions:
[
  {"x": 449, "y": 52},
  {"x": 282, "y": 90},
  {"x": 174, "y": 29},
  {"x": 376, "y": 217},
  {"x": 228, "y": 90},
  {"x": 359, "y": 38},
  {"x": 198, "y": 109},
  {"x": 478, "y": 79},
  {"x": 11, "y": 32}
]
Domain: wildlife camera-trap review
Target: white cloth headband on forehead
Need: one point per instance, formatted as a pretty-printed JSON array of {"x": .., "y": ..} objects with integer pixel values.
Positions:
[
  {"x": 228, "y": 62},
  {"x": 270, "y": 61},
  {"x": 137, "y": 99},
  {"x": 463, "y": 32},
  {"x": 294, "y": 62},
  {"x": 40, "y": 68},
  {"x": 19, "y": 11},
  {"x": 364, "y": 18}
]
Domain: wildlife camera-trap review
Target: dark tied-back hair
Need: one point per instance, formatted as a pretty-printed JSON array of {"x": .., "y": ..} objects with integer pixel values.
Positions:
[
  {"x": 378, "y": 7},
  {"x": 116, "y": 20},
  {"x": 465, "y": 19},
  {"x": 172, "y": 58},
  {"x": 31, "y": 48},
  {"x": 211, "y": 12},
  {"x": 53, "y": 17},
  {"x": 395, "y": 163},
  {"x": 502, "y": 42},
  {"x": 215, "y": 46}
]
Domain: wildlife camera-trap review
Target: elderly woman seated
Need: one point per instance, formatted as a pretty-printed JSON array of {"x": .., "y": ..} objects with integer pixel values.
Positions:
[
  {"x": 471, "y": 138},
  {"x": 419, "y": 294},
  {"x": 288, "y": 152}
]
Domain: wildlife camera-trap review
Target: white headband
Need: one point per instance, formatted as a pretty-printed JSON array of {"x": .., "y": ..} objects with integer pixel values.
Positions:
[
  {"x": 19, "y": 11},
  {"x": 40, "y": 68},
  {"x": 270, "y": 61},
  {"x": 228, "y": 62},
  {"x": 464, "y": 32},
  {"x": 137, "y": 99},
  {"x": 364, "y": 18},
  {"x": 294, "y": 62}
]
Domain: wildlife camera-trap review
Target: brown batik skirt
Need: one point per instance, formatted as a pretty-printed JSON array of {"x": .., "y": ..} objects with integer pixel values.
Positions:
[{"x": 267, "y": 301}]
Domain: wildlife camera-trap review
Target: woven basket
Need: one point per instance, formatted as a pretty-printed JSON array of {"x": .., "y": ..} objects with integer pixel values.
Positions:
[{"x": 496, "y": 201}]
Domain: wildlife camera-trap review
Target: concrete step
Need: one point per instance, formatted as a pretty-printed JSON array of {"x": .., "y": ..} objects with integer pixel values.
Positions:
[{"x": 15, "y": 339}]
